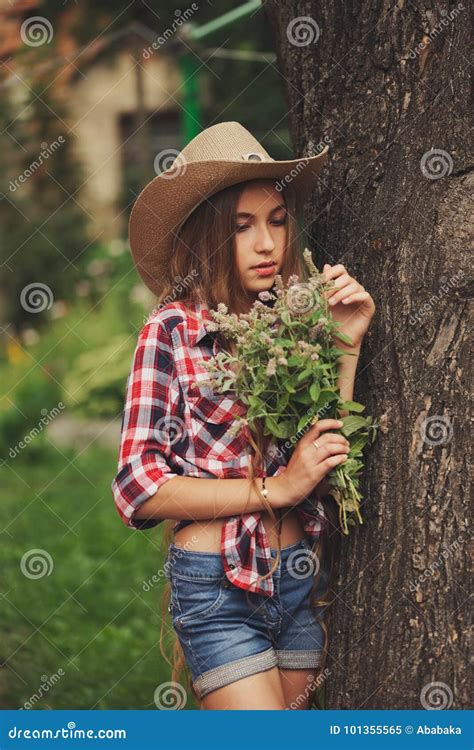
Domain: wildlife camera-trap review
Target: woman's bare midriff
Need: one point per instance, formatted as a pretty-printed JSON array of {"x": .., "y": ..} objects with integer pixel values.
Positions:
[{"x": 205, "y": 536}]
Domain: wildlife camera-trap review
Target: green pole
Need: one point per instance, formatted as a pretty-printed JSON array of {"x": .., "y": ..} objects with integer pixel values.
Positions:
[
  {"x": 191, "y": 121},
  {"x": 198, "y": 32}
]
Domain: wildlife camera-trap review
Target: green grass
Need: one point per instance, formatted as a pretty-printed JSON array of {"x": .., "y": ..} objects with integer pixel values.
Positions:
[{"x": 90, "y": 617}]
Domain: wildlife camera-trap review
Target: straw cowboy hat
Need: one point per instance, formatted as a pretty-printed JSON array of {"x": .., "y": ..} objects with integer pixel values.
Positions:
[{"x": 216, "y": 158}]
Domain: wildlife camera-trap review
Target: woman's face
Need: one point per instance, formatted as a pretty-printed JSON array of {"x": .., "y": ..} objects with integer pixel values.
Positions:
[{"x": 260, "y": 234}]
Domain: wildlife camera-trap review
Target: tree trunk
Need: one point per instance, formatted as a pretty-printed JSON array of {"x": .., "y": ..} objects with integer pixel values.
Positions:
[{"x": 396, "y": 214}]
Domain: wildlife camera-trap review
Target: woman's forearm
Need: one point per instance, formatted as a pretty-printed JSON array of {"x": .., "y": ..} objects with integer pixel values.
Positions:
[
  {"x": 347, "y": 366},
  {"x": 197, "y": 498}
]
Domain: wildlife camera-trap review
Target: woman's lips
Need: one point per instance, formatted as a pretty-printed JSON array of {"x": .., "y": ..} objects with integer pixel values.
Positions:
[{"x": 265, "y": 270}]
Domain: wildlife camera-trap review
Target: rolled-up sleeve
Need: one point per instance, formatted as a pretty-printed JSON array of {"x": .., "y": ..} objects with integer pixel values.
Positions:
[{"x": 148, "y": 425}]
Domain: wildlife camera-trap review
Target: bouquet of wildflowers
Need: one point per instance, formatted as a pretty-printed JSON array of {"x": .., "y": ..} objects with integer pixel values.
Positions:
[{"x": 285, "y": 372}]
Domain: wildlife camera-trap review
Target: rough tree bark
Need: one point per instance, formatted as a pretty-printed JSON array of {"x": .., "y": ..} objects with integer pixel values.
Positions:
[{"x": 396, "y": 214}]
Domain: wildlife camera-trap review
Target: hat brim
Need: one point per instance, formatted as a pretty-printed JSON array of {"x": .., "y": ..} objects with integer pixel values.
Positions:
[{"x": 168, "y": 199}]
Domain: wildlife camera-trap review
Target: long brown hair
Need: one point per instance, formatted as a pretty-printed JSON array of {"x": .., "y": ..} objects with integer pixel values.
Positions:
[{"x": 200, "y": 270}]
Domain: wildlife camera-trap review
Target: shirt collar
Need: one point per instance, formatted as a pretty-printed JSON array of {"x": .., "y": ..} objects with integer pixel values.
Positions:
[{"x": 198, "y": 316}]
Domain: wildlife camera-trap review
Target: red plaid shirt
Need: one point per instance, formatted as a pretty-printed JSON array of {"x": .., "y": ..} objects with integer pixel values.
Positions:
[{"x": 172, "y": 426}]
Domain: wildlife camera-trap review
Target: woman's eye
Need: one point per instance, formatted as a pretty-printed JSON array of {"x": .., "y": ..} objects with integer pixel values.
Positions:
[{"x": 275, "y": 222}]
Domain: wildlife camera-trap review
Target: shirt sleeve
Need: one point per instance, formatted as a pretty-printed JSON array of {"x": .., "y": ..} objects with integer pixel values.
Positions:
[{"x": 148, "y": 425}]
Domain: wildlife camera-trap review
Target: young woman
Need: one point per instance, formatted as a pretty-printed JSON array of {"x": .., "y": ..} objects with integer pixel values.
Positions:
[{"x": 247, "y": 566}]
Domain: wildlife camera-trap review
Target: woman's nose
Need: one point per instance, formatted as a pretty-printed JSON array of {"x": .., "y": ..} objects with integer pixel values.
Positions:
[{"x": 264, "y": 239}]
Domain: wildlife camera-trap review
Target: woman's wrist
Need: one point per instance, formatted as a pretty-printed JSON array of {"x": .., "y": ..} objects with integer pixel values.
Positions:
[{"x": 281, "y": 492}]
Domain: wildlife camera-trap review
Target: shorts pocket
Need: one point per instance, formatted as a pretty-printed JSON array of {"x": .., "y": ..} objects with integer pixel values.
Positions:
[{"x": 192, "y": 600}]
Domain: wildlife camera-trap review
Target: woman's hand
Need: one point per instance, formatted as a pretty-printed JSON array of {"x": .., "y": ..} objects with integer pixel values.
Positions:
[
  {"x": 308, "y": 464},
  {"x": 349, "y": 303}
]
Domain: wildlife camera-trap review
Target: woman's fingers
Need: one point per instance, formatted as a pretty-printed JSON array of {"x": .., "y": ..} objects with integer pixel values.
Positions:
[
  {"x": 352, "y": 288},
  {"x": 330, "y": 448},
  {"x": 317, "y": 433},
  {"x": 357, "y": 297}
]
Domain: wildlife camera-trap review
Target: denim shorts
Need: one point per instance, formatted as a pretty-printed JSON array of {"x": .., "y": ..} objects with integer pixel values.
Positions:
[{"x": 228, "y": 633}]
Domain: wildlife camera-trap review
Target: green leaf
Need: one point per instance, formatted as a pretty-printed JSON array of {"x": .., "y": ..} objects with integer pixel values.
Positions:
[
  {"x": 287, "y": 384},
  {"x": 351, "y": 406},
  {"x": 326, "y": 397},
  {"x": 305, "y": 419},
  {"x": 282, "y": 402},
  {"x": 343, "y": 352},
  {"x": 287, "y": 428},
  {"x": 352, "y": 424},
  {"x": 315, "y": 390},
  {"x": 343, "y": 337},
  {"x": 273, "y": 427},
  {"x": 303, "y": 397},
  {"x": 358, "y": 445},
  {"x": 303, "y": 375}
]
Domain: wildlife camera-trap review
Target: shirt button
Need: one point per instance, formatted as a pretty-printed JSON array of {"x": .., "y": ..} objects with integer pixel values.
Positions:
[{"x": 231, "y": 566}]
